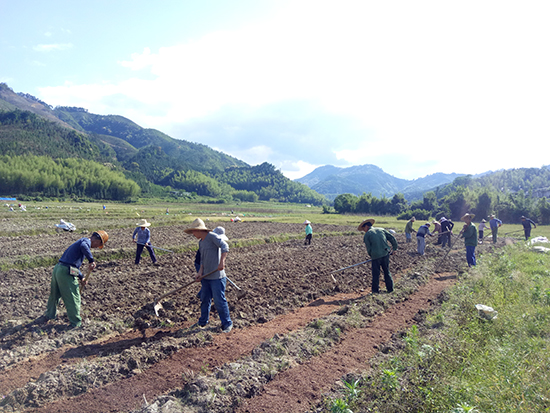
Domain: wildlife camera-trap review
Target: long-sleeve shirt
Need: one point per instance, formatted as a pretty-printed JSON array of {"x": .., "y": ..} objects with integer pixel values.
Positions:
[
  {"x": 423, "y": 231},
  {"x": 211, "y": 249},
  {"x": 482, "y": 226},
  {"x": 495, "y": 223},
  {"x": 75, "y": 254},
  {"x": 409, "y": 227},
  {"x": 376, "y": 240},
  {"x": 447, "y": 226},
  {"x": 527, "y": 223},
  {"x": 470, "y": 236},
  {"x": 143, "y": 235},
  {"x": 309, "y": 230}
]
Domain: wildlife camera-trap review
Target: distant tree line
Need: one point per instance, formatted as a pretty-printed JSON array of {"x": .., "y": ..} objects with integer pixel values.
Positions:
[
  {"x": 507, "y": 194},
  {"x": 42, "y": 175}
]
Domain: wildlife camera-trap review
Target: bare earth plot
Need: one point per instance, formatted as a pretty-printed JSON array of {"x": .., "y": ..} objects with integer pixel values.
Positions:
[{"x": 296, "y": 330}]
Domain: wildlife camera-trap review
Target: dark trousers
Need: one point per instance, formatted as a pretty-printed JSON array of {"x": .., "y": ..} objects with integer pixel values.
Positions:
[
  {"x": 308, "y": 239},
  {"x": 383, "y": 263},
  {"x": 471, "y": 255},
  {"x": 139, "y": 250},
  {"x": 527, "y": 232},
  {"x": 446, "y": 239}
]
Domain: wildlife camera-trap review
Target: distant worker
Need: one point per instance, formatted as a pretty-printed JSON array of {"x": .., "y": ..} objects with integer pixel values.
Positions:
[
  {"x": 526, "y": 222},
  {"x": 469, "y": 233},
  {"x": 437, "y": 228},
  {"x": 446, "y": 231},
  {"x": 495, "y": 224},
  {"x": 376, "y": 241},
  {"x": 421, "y": 237},
  {"x": 409, "y": 229},
  {"x": 142, "y": 237},
  {"x": 213, "y": 252},
  {"x": 66, "y": 276},
  {"x": 309, "y": 232},
  {"x": 481, "y": 229}
]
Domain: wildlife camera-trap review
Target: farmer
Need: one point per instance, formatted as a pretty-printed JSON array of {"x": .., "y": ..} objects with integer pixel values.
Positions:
[
  {"x": 481, "y": 229},
  {"x": 409, "y": 229},
  {"x": 376, "y": 240},
  {"x": 526, "y": 222},
  {"x": 221, "y": 233},
  {"x": 142, "y": 237},
  {"x": 469, "y": 233},
  {"x": 446, "y": 231},
  {"x": 421, "y": 237},
  {"x": 437, "y": 228},
  {"x": 213, "y": 251},
  {"x": 309, "y": 232},
  {"x": 66, "y": 276},
  {"x": 495, "y": 224}
]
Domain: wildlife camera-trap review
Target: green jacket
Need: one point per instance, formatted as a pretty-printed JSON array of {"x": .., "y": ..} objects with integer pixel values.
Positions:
[
  {"x": 409, "y": 227},
  {"x": 376, "y": 240},
  {"x": 470, "y": 236}
]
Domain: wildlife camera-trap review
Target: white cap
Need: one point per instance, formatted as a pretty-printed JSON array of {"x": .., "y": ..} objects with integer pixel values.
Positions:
[{"x": 221, "y": 232}]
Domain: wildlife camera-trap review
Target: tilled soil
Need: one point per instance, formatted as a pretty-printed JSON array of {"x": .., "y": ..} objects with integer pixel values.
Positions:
[{"x": 125, "y": 357}]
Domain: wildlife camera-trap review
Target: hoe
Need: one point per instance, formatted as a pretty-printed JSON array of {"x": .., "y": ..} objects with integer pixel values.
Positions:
[{"x": 157, "y": 305}]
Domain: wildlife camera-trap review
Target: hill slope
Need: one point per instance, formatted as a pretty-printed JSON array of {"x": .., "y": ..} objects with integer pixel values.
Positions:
[
  {"x": 29, "y": 126},
  {"x": 332, "y": 181}
]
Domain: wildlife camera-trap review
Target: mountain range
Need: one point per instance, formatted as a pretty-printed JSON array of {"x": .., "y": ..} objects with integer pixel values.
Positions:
[
  {"x": 332, "y": 181},
  {"x": 155, "y": 160}
]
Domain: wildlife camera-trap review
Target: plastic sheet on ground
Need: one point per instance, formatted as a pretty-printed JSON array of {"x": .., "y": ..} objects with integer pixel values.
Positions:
[
  {"x": 65, "y": 226},
  {"x": 486, "y": 312}
]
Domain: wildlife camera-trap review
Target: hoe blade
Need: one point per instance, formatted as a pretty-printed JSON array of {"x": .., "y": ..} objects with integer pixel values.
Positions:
[{"x": 158, "y": 306}]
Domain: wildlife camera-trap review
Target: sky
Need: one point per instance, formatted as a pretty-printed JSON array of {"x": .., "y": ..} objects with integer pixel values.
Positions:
[{"x": 414, "y": 87}]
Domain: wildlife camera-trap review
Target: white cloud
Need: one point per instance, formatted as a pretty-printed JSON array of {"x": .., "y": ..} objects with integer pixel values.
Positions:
[{"x": 400, "y": 80}]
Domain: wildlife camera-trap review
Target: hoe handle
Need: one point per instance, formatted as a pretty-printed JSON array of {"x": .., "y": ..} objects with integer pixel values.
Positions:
[{"x": 183, "y": 287}]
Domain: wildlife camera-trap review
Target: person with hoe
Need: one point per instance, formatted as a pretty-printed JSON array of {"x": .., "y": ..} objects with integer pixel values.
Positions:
[
  {"x": 376, "y": 241},
  {"x": 481, "y": 229},
  {"x": 309, "y": 232},
  {"x": 213, "y": 251},
  {"x": 446, "y": 231},
  {"x": 409, "y": 229},
  {"x": 142, "y": 237},
  {"x": 421, "y": 237},
  {"x": 495, "y": 224},
  {"x": 469, "y": 233},
  {"x": 526, "y": 222},
  {"x": 66, "y": 276}
]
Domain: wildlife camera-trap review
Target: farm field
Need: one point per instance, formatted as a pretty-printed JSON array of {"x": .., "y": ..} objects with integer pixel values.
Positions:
[{"x": 297, "y": 330}]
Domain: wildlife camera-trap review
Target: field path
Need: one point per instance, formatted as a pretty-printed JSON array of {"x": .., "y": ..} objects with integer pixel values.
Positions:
[{"x": 291, "y": 391}]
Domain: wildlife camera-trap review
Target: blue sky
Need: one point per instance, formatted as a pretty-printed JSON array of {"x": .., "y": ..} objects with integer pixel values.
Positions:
[{"x": 414, "y": 87}]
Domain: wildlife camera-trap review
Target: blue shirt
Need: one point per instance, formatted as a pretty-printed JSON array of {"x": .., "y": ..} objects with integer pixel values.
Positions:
[
  {"x": 75, "y": 254},
  {"x": 143, "y": 235},
  {"x": 494, "y": 223},
  {"x": 422, "y": 231}
]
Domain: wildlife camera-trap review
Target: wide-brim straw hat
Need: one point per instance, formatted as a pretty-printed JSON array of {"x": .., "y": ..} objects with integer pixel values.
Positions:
[
  {"x": 307, "y": 222},
  {"x": 104, "y": 237},
  {"x": 196, "y": 225},
  {"x": 362, "y": 224},
  {"x": 143, "y": 223},
  {"x": 466, "y": 215}
]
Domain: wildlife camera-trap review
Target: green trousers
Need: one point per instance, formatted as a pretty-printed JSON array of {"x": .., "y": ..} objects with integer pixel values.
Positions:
[{"x": 64, "y": 286}]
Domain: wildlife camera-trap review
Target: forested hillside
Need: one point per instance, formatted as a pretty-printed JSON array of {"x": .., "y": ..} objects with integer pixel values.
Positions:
[
  {"x": 157, "y": 164},
  {"x": 44, "y": 176},
  {"x": 508, "y": 194}
]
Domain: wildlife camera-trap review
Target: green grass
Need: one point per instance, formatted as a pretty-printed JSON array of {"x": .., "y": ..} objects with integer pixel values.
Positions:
[{"x": 458, "y": 362}]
